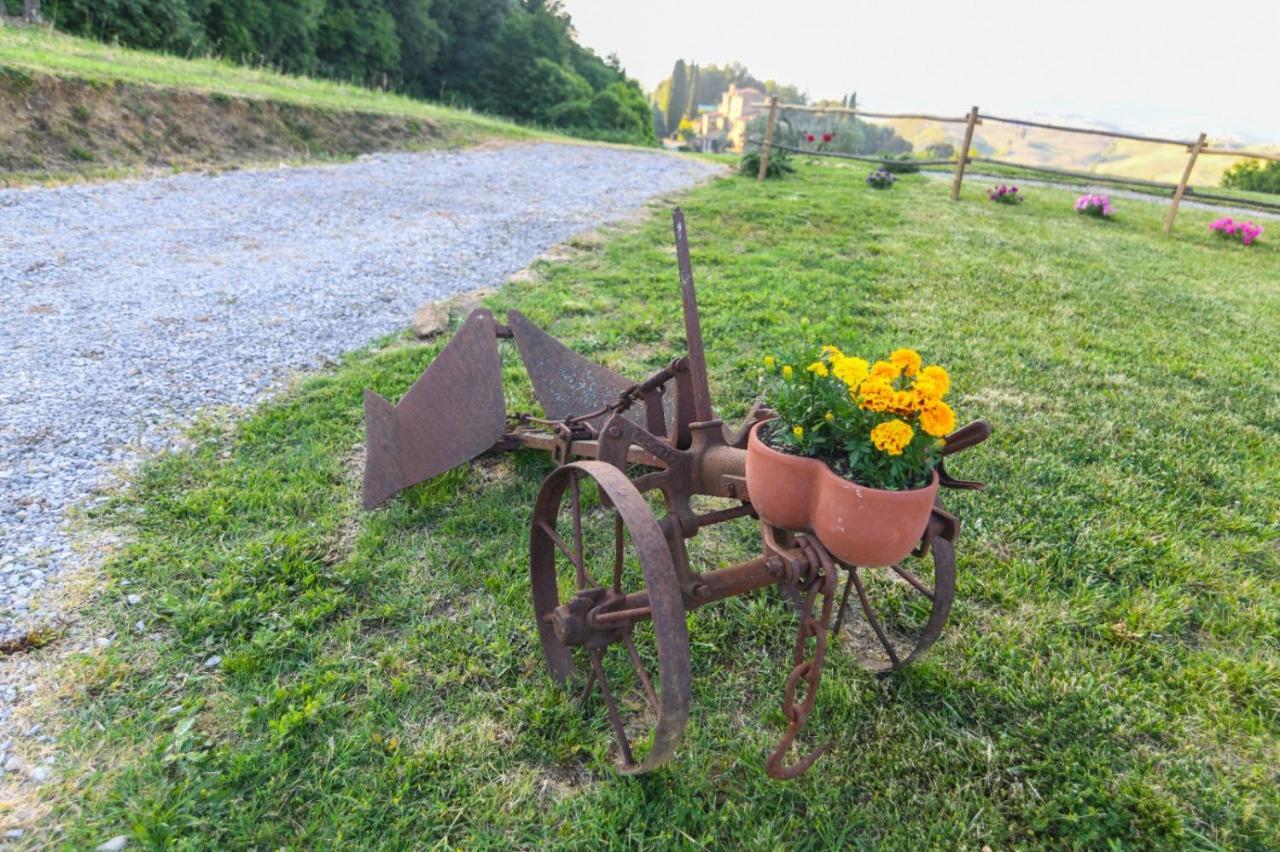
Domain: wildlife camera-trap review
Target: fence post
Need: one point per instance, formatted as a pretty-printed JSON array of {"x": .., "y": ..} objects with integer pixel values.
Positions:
[
  {"x": 964, "y": 154},
  {"x": 1182, "y": 185},
  {"x": 768, "y": 137}
]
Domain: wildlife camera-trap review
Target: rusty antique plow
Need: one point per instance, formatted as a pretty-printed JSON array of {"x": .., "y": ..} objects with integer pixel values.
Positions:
[{"x": 642, "y": 468}]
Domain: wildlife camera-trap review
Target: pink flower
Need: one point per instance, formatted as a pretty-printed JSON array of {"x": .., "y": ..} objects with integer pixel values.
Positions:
[
  {"x": 826, "y": 137},
  {"x": 1227, "y": 227},
  {"x": 809, "y": 138}
]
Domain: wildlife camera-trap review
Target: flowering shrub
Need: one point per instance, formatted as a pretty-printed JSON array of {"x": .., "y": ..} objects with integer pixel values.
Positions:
[
  {"x": 877, "y": 424},
  {"x": 1005, "y": 195},
  {"x": 881, "y": 178},
  {"x": 1246, "y": 231},
  {"x": 1095, "y": 205}
]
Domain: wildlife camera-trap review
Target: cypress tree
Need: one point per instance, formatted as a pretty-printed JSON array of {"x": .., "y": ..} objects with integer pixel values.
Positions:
[
  {"x": 659, "y": 122},
  {"x": 679, "y": 95},
  {"x": 691, "y": 99}
]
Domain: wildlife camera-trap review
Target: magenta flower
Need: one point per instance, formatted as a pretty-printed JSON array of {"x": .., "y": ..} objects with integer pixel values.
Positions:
[
  {"x": 1226, "y": 227},
  {"x": 1005, "y": 194},
  {"x": 1094, "y": 205}
]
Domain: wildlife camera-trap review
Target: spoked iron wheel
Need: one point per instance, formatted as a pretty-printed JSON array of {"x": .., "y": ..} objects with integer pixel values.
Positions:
[
  {"x": 593, "y": 541},
  {"x": 896, "y": 613}
]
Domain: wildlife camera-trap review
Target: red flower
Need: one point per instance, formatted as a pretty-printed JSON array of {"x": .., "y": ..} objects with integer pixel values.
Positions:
[
  {"x": 826, "y": 137},
  {"x": 810, "y": 137}
]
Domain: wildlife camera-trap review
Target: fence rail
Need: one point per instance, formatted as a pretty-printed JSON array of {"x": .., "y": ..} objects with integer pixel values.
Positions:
[{"x": 1178, "y": 191}]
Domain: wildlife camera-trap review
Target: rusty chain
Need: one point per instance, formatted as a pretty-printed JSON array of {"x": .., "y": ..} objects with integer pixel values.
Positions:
[{"x": 821, "y": 577}]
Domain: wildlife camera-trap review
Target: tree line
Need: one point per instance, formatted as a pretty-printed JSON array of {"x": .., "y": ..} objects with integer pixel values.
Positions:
[{"x": 515, "y": 58}]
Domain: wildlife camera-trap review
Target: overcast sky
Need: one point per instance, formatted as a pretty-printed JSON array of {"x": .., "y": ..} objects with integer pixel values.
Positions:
[{"x": 1168, "y": 66}]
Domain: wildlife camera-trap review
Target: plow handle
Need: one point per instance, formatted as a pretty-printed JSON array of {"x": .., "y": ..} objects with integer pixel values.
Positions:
[
  {"x": 692, "y": 324},
  {"x": 967, "y": 436}
]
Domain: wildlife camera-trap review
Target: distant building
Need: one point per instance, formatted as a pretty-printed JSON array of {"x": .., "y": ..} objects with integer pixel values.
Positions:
[{"x": 725, "y": 127}]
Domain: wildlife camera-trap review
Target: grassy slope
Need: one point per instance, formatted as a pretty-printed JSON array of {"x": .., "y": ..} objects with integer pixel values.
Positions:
[
  {"x": 48, "y": 52},
  {"x": 1110, "y": 670}
]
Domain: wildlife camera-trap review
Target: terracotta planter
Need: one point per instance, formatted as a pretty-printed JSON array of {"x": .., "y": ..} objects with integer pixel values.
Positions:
[{"x": 859, "y": 525}]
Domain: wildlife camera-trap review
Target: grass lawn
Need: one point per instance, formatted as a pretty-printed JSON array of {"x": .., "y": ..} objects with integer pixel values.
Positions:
[
  {"x": 1110, "y": 672},
  {"x": 47, "y": 52}
]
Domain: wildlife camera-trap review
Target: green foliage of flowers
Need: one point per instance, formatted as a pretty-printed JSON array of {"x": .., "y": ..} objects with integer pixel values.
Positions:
[
  {"x": 877, "y": 424},
  {"x": 779, "y": 164}
]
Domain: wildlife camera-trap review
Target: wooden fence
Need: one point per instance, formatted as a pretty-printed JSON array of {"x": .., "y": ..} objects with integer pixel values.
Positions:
[{"x": 1195, "y": 149}]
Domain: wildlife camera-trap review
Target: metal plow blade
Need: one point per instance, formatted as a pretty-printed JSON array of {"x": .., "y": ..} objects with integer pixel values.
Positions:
[
  {"x": 453, "y": 413},
  {"x": 564, "y": 382}
]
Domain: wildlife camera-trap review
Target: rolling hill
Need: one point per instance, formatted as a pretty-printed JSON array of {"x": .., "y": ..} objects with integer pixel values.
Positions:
[{"x": 1074, "y": 151}]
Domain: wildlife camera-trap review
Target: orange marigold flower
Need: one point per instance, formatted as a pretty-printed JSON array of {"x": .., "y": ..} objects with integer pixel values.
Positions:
[
  {"x": 938, "y": 419},
  {"x": 875, "y": 394},
  {"x": 933, "y": 382},
  {"x": 892, "y": 437}
]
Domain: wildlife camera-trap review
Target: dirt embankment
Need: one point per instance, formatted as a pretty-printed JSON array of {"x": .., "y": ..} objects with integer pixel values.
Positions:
[{"x": 59, "y": 126}]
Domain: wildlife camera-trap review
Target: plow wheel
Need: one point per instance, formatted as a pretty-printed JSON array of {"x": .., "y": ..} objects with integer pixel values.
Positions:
[
  {"x": 897, "y": 612},
  {"x": 593, "y": 541}
]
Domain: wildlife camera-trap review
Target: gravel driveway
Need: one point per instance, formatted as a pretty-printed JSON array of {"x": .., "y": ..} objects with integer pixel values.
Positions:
[{"x": 126, "y": 307}]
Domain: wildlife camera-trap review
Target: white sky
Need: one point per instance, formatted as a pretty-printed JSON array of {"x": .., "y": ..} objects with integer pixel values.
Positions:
[{"x": 1167, "y": 66}]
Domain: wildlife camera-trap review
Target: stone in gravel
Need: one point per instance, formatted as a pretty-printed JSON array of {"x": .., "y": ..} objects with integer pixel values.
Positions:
[
  {"x": 134, "y": 600},
  {"x": 464, "y": 303},
  {"x": 14, "y": 834},
  {"x": 213, "y": 662},
  {"x": 115, "y": 844},
  {"x": 41, "y": 774},
  {"x": 429, "y": 320},
  {"x": 13, "y": 764}
]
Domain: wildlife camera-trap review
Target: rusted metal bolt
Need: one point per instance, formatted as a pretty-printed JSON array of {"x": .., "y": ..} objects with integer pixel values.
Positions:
[
  {"x": 614, "y": 432},
  {"x": 774, "y": 566},
  {"x": 699, "y": 590}
]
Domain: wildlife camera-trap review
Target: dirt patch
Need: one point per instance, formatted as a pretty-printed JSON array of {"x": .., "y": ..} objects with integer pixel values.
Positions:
[{"x": 67, "y": 125}]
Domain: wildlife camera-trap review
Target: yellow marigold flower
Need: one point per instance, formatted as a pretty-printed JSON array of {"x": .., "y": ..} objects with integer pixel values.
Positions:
[
  {"x": 937, "y": 419},
  {"x": 892, "y": 437},
  {"x": 851, "y": 371},
  {"x": 769, "y": 362},
  {"x": 819, "y": 369},
  {"x": 906, "y": 360},
  {"x": 798, "y": 431},
  {"x": 933, "y": 382},
  {"x": 829, "y": 417},
  {"x": 787, "y": 372},
  {"x": 832, "y": 352},
  {"x": 884, "y": 370}
]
